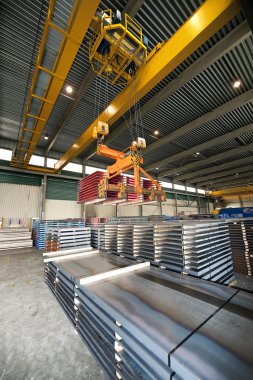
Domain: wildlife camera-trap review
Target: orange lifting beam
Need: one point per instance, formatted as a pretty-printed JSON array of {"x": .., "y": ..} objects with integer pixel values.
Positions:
[
  {"x": 125, "y": 162},
  {"x": 203, "y": 24},
  {"x": 78, "y": 24}
]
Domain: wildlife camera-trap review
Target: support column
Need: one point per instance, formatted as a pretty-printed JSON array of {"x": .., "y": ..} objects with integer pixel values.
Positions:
[
  {"x": 82, "y": 205},
  {"x": 43, "y": 196}
]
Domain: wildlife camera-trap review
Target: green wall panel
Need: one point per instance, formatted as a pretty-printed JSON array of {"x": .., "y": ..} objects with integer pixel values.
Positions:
[
  {"x": 61, "y": 189},
  {"x": 19, "y": 178}
]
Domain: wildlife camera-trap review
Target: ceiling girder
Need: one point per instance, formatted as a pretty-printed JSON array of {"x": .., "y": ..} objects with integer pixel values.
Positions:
[
  {"x": 199, "y": 174},
  {"x": 234, "y": 38},
  {"x": 204, "y": 161},
  {"x": 195, "y": 124},
  {"x": 211, "y": 16}
]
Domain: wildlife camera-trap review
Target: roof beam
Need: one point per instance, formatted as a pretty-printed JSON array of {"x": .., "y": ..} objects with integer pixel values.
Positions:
[
  {"x": 232, "y": 181},
  {"x": 229, "y": 42},
  {"x": 211, "y": 177},
  {"x": 210, "y": 17},
  {"x": 131, "y": 9},
  {"x": 72, "y": 107},
  {"x": 197, "y": 123},
  {"x": 246, "y": 171},
  {"x": 217, "y": 157},
  {"x": 197, "y": 177}
]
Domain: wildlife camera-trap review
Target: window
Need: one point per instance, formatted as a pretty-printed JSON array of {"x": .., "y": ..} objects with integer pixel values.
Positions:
[
  {"x": 166, "y": 185},
  {"x": 51, "y": 162},
  {"x": 36, "y": 160},
  {"x": 91, "y": 169},
  {"x": 200, "y": 191},
  {"x": 190, "y": 189},
  {"x": 5, "y": 154},
  {"x": 71, "y": 167},
  {"x": 179, "y": 187}
]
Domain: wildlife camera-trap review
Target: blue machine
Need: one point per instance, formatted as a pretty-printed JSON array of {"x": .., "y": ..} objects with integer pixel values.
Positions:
[{"x": 238, "y": 212}]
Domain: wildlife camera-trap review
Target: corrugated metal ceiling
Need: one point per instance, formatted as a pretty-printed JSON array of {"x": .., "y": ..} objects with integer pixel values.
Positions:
[{"x": 21, "y": 25}]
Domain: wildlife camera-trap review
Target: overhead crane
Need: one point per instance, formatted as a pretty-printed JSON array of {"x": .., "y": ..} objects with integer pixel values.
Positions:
[
  {"x": 136, "y": 70},
  {"x": 231, "y": 192}
]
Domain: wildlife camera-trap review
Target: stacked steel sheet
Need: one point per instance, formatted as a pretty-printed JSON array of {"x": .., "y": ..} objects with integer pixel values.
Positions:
[
  {"x": 88, "y": 188},
  {"x": 111, "y": 238},
  {"x": 207, "y": 250},
  {"x": 125, "y": 240},
  {"x": 147, "y": 323},
  {"x": 143, "y": 241},
  {"x": 168, "y": 245},
  {"x": 41, "y": 227},
  {"x": 98, "y": 236},
  {"x": 197, "y": 248},
  {"x": 128, "y": 219},
  {"x": 64, "y": 238},
  {"x": 241, "y": 236},
  {"x": 11, "y": 238},
  {"x": 132, "y": 197}
]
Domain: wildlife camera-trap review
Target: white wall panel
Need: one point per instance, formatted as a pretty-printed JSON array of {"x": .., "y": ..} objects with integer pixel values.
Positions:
[
  {"x": 19, "y": 201},
  {"x": 59, "y": 209},
  {"x": 129, "y": 210}
]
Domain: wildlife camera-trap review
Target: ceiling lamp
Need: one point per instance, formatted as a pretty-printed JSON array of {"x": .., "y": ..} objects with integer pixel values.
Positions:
[
  {"x": 156, "y": 132},
  {"x": 69, "y": 89},
  {"x": 236, "y": 84},
  {"x": 46, "y": 136}
]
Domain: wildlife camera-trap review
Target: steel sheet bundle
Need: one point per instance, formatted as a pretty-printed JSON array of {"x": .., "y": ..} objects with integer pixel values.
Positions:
[
  {"x": 125, "y": 239},
  {"x": 168, "y": 245},
  {"x": 41, "y": 227},
  {"x": 149, "y": 324},
  {"x": 241, "y": 236},
  {"x": 88, "y": 187},
  {"x": 111, "y": 238},
  {"x": 11, "y": 238},
  {"x": 143, "y": 241},
  {"x": 207, "y": 250},
  {"x": 200, "y": 249},
  {"x": 98, "y": 236},
  {"x": 64, "y": 238}
]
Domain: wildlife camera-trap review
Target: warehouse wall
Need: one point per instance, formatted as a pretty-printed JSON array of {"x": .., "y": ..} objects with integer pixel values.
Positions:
[
  {"x": 59, "y": 209},
  {"x": 243, "y": 201},
  {"x": 61, "y": 195},
  {"x": 19, "y": 202}
]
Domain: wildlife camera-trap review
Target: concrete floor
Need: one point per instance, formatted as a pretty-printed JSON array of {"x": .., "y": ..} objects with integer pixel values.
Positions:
[{"x": 37, "y": 341}]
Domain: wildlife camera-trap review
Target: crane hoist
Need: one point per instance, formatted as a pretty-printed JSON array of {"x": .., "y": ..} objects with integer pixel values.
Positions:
[{"x": 116, "y": 52}]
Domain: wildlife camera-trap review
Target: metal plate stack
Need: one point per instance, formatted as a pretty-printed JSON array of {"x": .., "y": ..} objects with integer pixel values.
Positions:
[
  {"x": 147, "y": 323},
  {"x": 168, "y": 245},
  {"x": 111, "y": 238},
  {"x": 143, "y": 242},
  {"x": 221, "y": 348},
  {"x": 11, "y": 238},
  {"x": 64, "y": 238},
  {"x": 42, "y": 226},
  {"x": 207, "y": 250},
  {"x": 119, "y": 310},
  {"x": 88, "y": 188},
  {"x": 125, "y": 240},
  {"x": 241, "y": 236},
  {"x": 98, "y": 236}
]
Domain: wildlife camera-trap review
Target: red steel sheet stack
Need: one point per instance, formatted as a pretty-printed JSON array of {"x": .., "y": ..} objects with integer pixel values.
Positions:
[
  {"x": 132, "y": 197},
  {"x": 88, "y": 187},
  {"x": 112, "y": 195}
]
